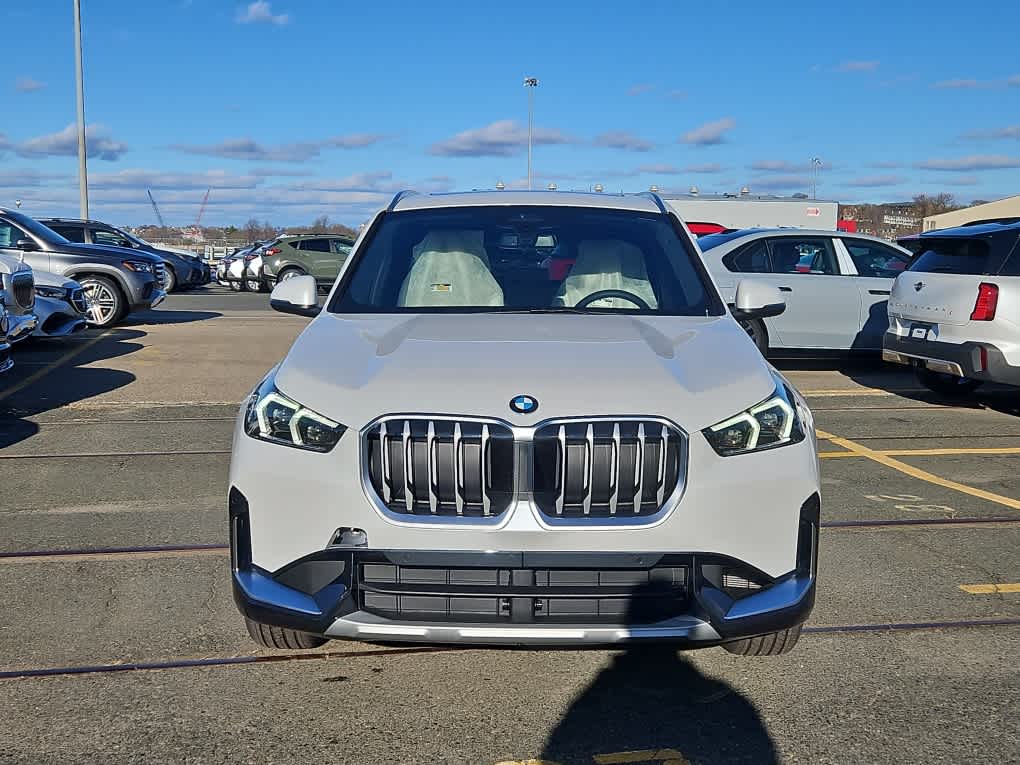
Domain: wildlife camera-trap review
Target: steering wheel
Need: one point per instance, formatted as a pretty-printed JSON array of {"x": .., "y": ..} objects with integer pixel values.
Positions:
[{"x": 630, "y": 297}]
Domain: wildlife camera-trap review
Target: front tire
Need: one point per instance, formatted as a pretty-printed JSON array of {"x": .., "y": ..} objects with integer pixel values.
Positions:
[
  {"x": 107, "y": 304},
  {"x": 755, "y": 329},
  {"x": 169, "y": 280},
  {"x": 268, "y": 636},
  {"x": 773, "y": 644},
  {"x": 946, "y": 385},
  {"x": 289, "y": 273}
]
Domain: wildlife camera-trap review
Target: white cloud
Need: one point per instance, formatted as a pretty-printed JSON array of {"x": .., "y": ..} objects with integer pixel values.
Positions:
[
  {"x": 875, "y": 181},
  {"x": 155, "y": 179},
  {"x": 971, "y": 163},
  {"x": 782, "y": 182},
  {"x": 1008, "y": 132},
  {"x": 779, "y": 166},
  {"x": 858, "y": 66},
  {"x": 249, "y": 148},
  {"x": 640, "y": 88},
  {"x": 28, "y": 85},
  {"x": 261, "y": 12},
  {"x": 503, "y": 138},
  {"x": 98, "y": 144},
  {"x": 709, "y": 134},
  {"x": 1014, "y": 81},
  {"x": 961, "y": 84},
  {"x": 621, "y": 139}
]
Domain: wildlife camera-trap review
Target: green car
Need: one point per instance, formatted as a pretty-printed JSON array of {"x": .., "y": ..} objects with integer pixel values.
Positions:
[{"x": 319, "y": 255}]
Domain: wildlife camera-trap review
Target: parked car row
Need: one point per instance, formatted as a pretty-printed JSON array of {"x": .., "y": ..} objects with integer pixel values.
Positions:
[
  {"x": 258, "y": 267},
  {"x": 182, "y": 269},
  {"x": 949, "y": 306}
]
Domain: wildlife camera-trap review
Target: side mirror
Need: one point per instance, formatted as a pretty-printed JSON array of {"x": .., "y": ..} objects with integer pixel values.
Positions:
[
  {"x": 126, "y": 243},
  {"x": 756, "y": 300},
  {"x": 297, "y": 295},
  {"x": 26, "y": 245}
]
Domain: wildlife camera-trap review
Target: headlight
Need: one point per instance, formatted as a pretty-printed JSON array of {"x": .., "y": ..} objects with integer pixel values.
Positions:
[
  {"x": 271, "y": 416},
  {"x": 774, "y": 422},
  {"x": 57, "y": 293},
  {"x": 5, "y": 323},
  {"x": 139, "y": 266}
]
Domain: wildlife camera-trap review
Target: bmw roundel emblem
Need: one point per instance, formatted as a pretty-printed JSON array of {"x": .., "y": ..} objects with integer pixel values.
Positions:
[{"x": 524, "y": 404}]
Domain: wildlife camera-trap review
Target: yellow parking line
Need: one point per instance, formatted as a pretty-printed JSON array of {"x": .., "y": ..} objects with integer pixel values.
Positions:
[
  {"x": 670, "y": 756},
  {"x": 52, "y": 365},
  {"x": 914, "y": 472},
  {"x": 989, "y": 589},
  {"x": 926, "y": 452}
]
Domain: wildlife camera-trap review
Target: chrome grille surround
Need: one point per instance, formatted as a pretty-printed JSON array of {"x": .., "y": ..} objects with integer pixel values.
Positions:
[
  {"x": 436, "y": 467},
  {"x": 606, "y": 467},
  {"x": 645, "y": 476},
  {"x": 23, "y": 289},
  {"x": 79, "y": 300}
]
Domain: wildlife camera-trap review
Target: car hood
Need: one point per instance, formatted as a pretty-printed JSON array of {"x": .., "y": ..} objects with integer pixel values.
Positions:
[
  {"x": 104, "y": 251},
  {"x": 46, "y": 279},
  {"x": 9, "y": 265},
  {"x": 693, "y": 370}
]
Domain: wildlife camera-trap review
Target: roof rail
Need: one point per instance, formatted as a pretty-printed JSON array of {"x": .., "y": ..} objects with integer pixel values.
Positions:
[
  {"x": 655, "y": 198},
  {"x": 398, "y": 196}
]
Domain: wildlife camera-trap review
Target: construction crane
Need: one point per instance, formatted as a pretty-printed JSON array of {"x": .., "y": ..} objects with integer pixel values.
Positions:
[
  {"x": 155, "y": 209},
  {"x": 201, "y": 210}
]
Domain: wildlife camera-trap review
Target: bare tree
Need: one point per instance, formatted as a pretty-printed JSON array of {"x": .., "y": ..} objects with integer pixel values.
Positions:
[{"x": 926, "y": 204}]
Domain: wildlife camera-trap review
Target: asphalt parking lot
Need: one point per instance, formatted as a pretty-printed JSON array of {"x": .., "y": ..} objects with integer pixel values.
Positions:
[{"x": 115, "y": 443}]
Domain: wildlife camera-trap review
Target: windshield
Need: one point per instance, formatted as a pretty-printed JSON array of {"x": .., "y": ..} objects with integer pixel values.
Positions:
[
  {"x": 526, "y": 258},
  {"x": 37, "y": 229}
]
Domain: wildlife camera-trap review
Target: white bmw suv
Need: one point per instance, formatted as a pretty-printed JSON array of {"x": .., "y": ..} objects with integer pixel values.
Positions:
[
  {"x": 525, "y": 418},
  {"x": 954, "y": 314}
]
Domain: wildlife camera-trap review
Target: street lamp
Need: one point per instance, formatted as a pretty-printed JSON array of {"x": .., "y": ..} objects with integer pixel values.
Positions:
[
  {"x": 530, "y": 83},
  {"x": 83, "y": 183},
  {"x": 815, "y": 164}
]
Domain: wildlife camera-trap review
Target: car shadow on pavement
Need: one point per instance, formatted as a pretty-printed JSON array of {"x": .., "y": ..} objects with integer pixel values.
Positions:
[
  {"x": 652, "y": 699},
  {"x": 68, "y": 383},
  {"x": 168, "y": 317}
]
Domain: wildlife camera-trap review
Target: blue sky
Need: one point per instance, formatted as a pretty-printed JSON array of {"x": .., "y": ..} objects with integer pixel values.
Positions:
[{"x": 291, "y": 109}]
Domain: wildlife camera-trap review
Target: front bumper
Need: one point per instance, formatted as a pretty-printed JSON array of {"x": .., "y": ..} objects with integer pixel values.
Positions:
[
  {"x": 20, "y": 326},
  {"x": 977, "y": 361},
  {"x": 523, "y": 598},
  {"x": 57, "y": 318}
]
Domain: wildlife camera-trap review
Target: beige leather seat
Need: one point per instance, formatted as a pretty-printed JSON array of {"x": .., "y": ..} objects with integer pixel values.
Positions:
[
  {"x": 450, "y": 268},
  {"x": 607, "y": 264}
]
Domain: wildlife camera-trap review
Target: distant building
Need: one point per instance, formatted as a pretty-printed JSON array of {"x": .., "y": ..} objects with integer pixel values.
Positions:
[
  {"x": 752, "y": 211},
  {"x": 1008, "y": 208}
]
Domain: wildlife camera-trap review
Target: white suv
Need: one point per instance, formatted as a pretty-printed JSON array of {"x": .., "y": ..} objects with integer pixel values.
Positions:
[
  {"x": 955, "y": 313},
  {"x": 525, "y": 418}
]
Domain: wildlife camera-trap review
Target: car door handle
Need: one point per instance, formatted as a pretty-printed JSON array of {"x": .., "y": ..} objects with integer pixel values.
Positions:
[
  {"x": 786, "y": 289},
  {"x": 878, "y": 292}
]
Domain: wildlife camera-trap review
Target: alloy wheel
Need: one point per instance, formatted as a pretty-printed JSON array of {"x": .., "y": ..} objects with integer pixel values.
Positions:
[{"x": 103, "y": 303}]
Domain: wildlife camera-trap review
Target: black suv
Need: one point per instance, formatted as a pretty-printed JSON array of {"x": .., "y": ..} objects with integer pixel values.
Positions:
[
  {"x": 182, "y": 271},
  {"x": 117, "y": 280}
]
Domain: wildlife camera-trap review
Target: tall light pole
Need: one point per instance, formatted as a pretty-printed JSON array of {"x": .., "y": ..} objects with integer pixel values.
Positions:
[
  {"x": 815, "y": 164},
  {"x": 530, "y": 83},
  {"x": 83, "y": 183}
]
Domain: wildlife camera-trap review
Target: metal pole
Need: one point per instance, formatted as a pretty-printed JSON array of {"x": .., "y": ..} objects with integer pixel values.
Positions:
[
  {"x": 83, "y": 183},
  {"x": 531, "y": 113}
]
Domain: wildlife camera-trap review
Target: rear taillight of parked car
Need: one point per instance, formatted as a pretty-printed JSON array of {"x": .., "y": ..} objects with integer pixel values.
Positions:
[
  {"x": 987, "y": 300},
  {"x": 273, "y": 251}
]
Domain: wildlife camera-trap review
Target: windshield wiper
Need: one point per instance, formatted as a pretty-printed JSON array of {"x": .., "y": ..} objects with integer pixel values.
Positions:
[{"x": 559, "y": 309}]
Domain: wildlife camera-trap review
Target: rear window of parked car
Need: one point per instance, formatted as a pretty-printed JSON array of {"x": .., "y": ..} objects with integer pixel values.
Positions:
[
  {"x": 953, "y": 256},
  {"x": 71, "y": 233}
]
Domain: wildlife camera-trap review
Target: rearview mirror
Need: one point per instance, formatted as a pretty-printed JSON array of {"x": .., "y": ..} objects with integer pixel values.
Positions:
[
  {"x": 26, "y": 245},
  {"x": 756, "y": 300},
  {"x": 297, "y": 295}
]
